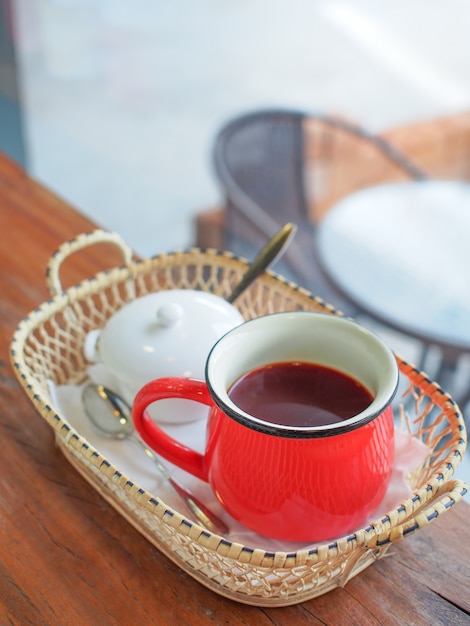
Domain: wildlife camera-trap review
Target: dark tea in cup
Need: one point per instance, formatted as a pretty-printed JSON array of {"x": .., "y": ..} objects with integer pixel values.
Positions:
[{"x": 298, "y": 393}]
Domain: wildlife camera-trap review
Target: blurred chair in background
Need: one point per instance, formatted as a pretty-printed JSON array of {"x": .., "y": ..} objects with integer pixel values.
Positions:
[{"x": 276, "y": 166}]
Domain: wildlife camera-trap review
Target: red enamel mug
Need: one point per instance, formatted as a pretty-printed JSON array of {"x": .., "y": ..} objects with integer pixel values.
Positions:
[{"x": 272, "y": 468}]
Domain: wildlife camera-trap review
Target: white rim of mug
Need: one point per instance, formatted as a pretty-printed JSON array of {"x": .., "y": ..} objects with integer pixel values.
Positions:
[{"x": 305, "y": 432}]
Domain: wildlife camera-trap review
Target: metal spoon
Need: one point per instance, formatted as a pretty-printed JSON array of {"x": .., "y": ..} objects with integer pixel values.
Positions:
[
  {"x": 111, "y": 417},
  {"x": 265, "y": 257}
]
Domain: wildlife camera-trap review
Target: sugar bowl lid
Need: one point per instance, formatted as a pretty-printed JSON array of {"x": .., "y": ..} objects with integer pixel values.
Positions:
[{"x": 166, "y": 333}]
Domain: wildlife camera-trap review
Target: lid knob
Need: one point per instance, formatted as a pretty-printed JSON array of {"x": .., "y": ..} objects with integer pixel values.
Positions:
[{"x": 170, "y": 314}]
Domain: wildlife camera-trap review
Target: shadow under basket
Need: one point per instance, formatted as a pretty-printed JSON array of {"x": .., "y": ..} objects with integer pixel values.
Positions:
[{"x": 48, "y": 345}]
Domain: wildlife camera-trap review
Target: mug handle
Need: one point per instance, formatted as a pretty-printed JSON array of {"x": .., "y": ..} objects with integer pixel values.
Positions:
[{"x": 173, "y": 450}]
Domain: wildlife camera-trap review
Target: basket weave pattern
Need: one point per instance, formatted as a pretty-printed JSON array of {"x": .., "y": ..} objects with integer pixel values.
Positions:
[{"x": 48, "y": 345}]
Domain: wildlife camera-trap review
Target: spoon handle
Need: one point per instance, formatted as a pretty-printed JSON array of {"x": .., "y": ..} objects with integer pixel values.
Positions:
[
  {"x": 198, "y": 509},
  {"x": 265, "y": 257}
]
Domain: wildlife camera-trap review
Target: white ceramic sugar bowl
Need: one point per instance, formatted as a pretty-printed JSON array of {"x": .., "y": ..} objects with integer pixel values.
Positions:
[{"x": 167, "y": 333}]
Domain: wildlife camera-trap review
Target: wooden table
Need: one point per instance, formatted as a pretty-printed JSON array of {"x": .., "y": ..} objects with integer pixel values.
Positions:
[{"x": 68, "y": 558}]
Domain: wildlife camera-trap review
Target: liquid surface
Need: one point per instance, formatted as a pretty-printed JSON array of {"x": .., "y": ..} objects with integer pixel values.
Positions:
[{"x": 299, "y": 394}]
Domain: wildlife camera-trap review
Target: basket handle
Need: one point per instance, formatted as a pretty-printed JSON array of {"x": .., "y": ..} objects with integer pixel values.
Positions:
[
  {"x": 84, "y": 240},
  {"x": 445, "y": 498}
]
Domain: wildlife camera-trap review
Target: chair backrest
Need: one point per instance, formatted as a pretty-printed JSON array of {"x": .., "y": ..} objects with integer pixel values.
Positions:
[
  {"x": 258, "y": 159},
  {"x": 276, "y": 166}
]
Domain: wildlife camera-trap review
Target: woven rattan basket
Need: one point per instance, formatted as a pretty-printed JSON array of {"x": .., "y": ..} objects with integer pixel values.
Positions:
[{"x": 48, "y": 344}]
